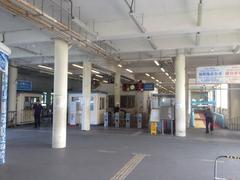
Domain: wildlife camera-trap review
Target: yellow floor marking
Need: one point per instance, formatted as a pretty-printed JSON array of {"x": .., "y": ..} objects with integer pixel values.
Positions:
[{"x": 128, "y": 167}]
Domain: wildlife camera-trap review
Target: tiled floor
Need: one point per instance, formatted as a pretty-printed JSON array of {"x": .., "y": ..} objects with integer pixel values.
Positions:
[{"x": 100, "y": 154}]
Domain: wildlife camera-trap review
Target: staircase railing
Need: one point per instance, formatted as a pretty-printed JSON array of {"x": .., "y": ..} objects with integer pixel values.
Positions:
[{"x": 219, "y": 119}]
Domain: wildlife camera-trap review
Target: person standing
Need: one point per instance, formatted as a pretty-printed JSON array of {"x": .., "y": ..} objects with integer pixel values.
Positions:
[
  {"x": 209, "y": 120},
  {"x": 37, "y": 107}
]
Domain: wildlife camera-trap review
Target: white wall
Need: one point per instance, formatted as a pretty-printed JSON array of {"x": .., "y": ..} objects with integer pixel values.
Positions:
[{"x": 234, "y": 100}]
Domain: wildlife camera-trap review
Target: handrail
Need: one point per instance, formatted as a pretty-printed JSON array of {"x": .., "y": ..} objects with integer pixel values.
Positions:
[{"x": 219, "y": 119}]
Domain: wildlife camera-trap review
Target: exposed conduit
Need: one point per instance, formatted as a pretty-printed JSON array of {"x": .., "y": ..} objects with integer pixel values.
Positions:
[
  {"x": 35, "y": 15},
  {"x": 138, "y": 24}
]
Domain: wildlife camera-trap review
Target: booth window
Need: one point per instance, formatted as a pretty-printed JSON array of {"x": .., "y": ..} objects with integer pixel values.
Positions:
[
  {"x": 128, "y": 101},
  {"x": 102, "y": 103}
]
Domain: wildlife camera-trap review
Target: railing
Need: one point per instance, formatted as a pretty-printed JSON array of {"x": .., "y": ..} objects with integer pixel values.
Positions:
[
  {"x": 219, "y": 119},
  {"x": 61, "y": 11},
  {"x": 233, "y": 123}
]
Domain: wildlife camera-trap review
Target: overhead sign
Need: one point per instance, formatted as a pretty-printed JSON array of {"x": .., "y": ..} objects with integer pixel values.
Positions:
[
  {"x": 23, "y": 85},
  {"x": 148, "y": 86},
  {"x": 138, "y": 87},
  {"x": 219, "y": 74}
]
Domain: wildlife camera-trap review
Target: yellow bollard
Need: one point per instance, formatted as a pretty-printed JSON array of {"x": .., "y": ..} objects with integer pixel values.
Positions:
[{"x": 154, "y": 128}]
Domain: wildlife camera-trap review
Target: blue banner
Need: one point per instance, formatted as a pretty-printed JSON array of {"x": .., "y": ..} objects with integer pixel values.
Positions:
[{"x": 3, "y": 118}]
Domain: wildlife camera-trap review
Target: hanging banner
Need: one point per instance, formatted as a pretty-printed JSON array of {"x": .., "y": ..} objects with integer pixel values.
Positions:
[
  {"x": 3, "y": 117},
  {"x": 219, "y": 74}
]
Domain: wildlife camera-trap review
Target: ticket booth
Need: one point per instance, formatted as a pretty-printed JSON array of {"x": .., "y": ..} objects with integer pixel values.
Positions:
[
  {"x": 25, "y": 103},
  {"x": 97, "y": 108}
]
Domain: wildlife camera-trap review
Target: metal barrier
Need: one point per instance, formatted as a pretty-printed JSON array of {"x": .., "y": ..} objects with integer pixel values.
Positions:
[
  {"x": 233, "y": 124},
  {"x": 12, "y": 118},
  {"x": 216, "y": 165}
]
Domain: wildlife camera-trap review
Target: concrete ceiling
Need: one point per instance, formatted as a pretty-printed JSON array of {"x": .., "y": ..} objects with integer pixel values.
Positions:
[{"x": 208, "y": 33}]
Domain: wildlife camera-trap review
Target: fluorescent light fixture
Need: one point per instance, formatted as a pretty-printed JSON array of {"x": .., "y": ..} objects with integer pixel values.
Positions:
[
  {"x": 100, "y": 76},
  {"x": 157, "y": 80},
  {"x": 167, "y": 74},
  {"x": 105, "y": 81},
  {"x": 236, "y": 50},
  {"x": 45, "y": 67},
  {"x": 129, "y": 70},
  {"x": 78, "y": 66},
  {"x": 162, "y": 69},
  {"x": 119, "y": 65},
  {"x": 95, "y": 79},
  {"x": 81, "y": 75},
  {"x": 156, "y": 62},
  {"x": 70, "y": 73},
  {"x": 147, "y": 74},
  {"x": 152, "y": 77},
  {"x": 94, "y": 71}
]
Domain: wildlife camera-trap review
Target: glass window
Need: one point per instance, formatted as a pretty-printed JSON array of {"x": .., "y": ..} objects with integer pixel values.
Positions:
[
  {"x": 102, "y": 103},
  {"x": 128, "y": 101}
]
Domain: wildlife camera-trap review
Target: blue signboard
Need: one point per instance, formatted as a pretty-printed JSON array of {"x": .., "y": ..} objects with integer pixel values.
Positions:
[
  {"x": 23, "y": 85},
  {"x": 148, "y": 86}
]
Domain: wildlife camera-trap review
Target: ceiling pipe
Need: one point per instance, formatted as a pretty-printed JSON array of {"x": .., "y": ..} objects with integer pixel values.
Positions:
[
  {"x": 3, "y": 37},
  {"x": 200, "y": 11},
  {"x": 199, "y": 21},
  {"x": 138, "y": 24}
]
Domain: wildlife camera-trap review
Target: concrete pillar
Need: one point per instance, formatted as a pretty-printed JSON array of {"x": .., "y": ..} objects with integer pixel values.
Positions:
[
  {"x": 117, "y": 88},
  {"x": 86, "y": 90},
  {"x": 12, "y": 92},
  {"x": 180, "y": 96},
  {"x": 60, "y": 94}
]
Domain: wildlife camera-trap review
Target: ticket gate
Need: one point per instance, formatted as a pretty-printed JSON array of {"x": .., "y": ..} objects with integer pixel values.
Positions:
[
  {"x": 106, "y": 119},
  {"x": 116, "y": 119},
  {"x": 139, "y": 120},
  {"x": 128, "y": 118}
]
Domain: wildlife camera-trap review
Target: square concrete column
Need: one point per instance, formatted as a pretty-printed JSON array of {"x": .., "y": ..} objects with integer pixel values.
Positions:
[
  {"x": 180, "y": 107},
  {"x": 12, "y": 92},
  {"x": 60, "y": 94},
  {"x": 117, "y": 88},
  {"x": 86, "y": 91}
]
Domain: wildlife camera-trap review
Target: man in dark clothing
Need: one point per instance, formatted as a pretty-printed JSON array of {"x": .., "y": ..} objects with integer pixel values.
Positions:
[
  {"x": 209, "y": 120},
  {"x": 37, "y": 113}
]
